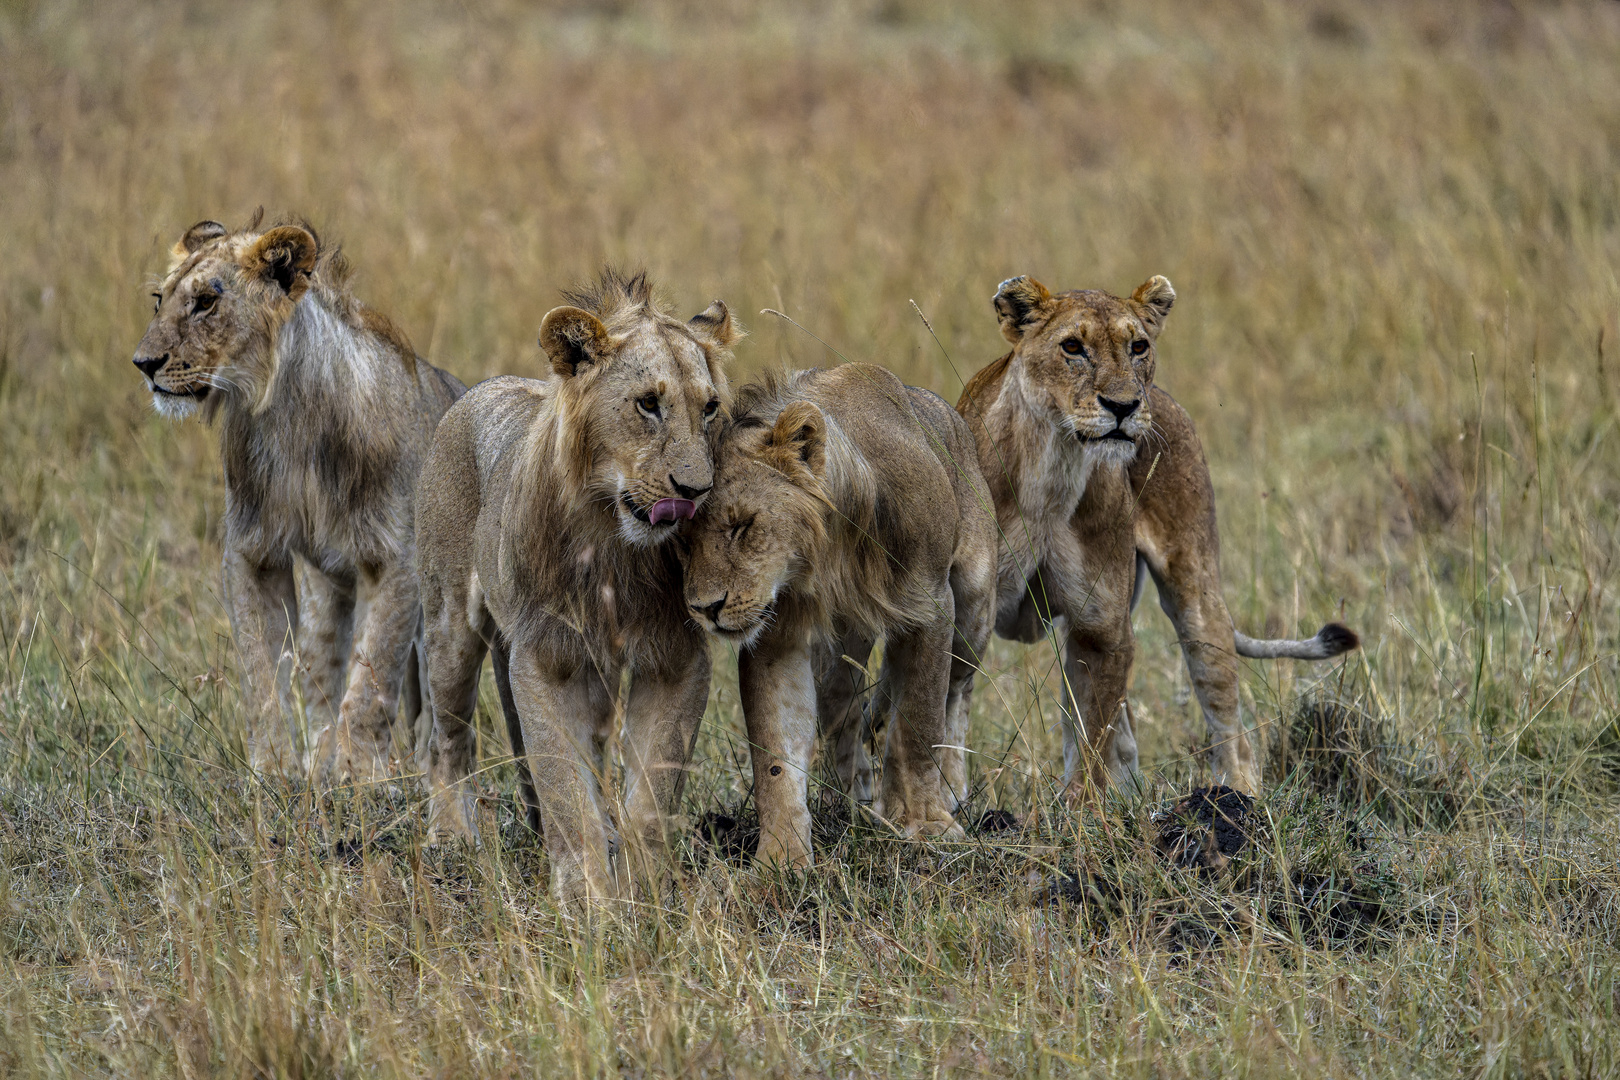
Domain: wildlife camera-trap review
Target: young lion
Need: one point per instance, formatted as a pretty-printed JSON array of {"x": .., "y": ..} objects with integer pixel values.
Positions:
[
  {"x": 1098, "y": 477},
  {"x": 848, "y": 505},
  {"x": 325, "y": 414},
  {"x": 544, "y": 512}
]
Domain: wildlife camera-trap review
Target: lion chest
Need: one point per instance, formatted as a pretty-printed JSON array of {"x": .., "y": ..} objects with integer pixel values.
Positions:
[{"x": 313, "y": 493}]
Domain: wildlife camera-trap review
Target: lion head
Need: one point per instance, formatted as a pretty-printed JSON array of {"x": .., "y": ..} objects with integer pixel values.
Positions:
[
  {"x": 765, "y": 526},
  {"x": 226, "y": 295},
  {"x": 1088, "y": 357},
  {"x": 637, "y": 391}
]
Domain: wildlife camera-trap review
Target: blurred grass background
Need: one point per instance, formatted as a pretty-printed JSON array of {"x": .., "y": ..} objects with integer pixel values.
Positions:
[{"x": 1394, "y": 231}]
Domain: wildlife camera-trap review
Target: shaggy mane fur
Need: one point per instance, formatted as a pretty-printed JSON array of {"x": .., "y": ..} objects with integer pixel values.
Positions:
[
  {"x": 612, "y": 293},
  {"x": 856, "y": 566}
]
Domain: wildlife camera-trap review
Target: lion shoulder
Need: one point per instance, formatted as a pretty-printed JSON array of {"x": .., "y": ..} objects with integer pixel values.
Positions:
[{"x": 983, "y": 387}]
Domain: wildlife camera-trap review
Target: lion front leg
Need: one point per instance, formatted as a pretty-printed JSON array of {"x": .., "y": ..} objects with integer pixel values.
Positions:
[
  {"x": 1099, "y": 746},
  {"x": 565, "y": 706},
  {"x": 325, "y": 640},
  {"x": 263, "y": 606},
  {"x": 916, "y": 673},
  {"x": 661, "y": 719},
  {"x": 777, "y": 679},
  {"x": 376, "y": 673}
]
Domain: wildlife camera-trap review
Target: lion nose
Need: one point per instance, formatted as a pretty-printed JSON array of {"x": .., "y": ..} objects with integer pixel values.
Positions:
[
  {"x": 1120, "y": 409},
  {"x": 149, "y": 365},
  {"x": 688, "y": 492},
  {"x": 712, "y": 611}
]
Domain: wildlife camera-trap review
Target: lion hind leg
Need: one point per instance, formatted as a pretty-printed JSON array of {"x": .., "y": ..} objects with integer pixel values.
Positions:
[
  {"x": 973, "y": 591},
  {"x": 514, "y": 729},
  {"x": 916, "y": 668},
  {"x": 454, "y": 656},
  {"x": 1189, "y": 593},
  {"x": 841, "y": 687},
  {"x": 387, "y": 631}
]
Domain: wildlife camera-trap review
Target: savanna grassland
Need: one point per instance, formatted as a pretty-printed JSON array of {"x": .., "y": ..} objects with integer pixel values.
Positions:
[{"x": 1394, "y": 230}]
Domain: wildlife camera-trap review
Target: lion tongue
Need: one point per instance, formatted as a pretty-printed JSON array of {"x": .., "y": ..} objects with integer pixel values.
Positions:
[{"x": 671, "y": 510}]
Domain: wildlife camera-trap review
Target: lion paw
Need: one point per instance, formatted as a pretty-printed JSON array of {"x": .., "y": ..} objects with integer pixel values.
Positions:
[
  {"x": 453, "y": 814},
  {"x": 921, "y": 822}
]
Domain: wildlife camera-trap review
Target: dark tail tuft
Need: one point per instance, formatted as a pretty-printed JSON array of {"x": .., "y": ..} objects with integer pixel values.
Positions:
[{"x": 1337, "y": 638}]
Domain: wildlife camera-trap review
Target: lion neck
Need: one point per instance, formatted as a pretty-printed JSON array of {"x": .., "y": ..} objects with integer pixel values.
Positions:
[
  {"x": 851, "y": 575},
  {"x": 1038, "y": 470},
  {"x": 565, "y": 554}
]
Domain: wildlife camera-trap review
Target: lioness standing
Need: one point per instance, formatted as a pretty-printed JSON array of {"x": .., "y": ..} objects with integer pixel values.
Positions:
[
  {"x": 545, "y": 512},
  {"x": 848, "y": 506},
  {"x": 1099, "y": 478},
  {"x": 325, "y": 416}
]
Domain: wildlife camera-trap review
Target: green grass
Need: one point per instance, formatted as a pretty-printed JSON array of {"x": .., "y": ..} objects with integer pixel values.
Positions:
[{"x": 1394, "y": 231}]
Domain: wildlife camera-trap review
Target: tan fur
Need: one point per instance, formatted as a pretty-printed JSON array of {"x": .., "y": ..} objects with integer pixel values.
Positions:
[
  {"x": 537, "y": 545},
  {"x": 848, "y": 506},
  {"x": 325, "y": 415},
  {"x": 1083, "y": 518}
]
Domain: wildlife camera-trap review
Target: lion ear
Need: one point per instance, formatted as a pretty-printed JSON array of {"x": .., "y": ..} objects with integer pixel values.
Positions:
[
  {"x": 284, "y": 257},
  {"x": 799, "y": 440},
  {"x": 571, "y": 337},
  {"x": 1020, "y": 302},
  {"x": 716, "y": 324},
  {"x": 196, "y": 236},
  {"x": 1153, "y": 300}
]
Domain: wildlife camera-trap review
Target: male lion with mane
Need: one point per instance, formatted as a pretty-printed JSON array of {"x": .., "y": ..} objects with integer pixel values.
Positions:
[
  {"x": 848, "y": 506},
  {"x": 544, "y": 514},
  {"x": 1099, "y": 479},
  {"x": 325, "y": 415}
]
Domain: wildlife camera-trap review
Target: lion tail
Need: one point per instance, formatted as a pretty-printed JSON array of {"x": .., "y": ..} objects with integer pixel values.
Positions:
[{"x": 1330, "y": 641}]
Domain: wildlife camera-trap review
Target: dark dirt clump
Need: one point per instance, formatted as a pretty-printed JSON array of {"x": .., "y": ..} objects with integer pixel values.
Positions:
[
  {"x": 727, "y": 838},
  {"x": 1206, "y": 829},
  {"x": 996, "y": 821}
]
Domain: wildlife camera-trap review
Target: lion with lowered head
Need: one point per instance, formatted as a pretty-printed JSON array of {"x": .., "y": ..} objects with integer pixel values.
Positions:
[
  {"x": 325, "y": 413},
  {"x": 848, "y": 506},
  {"x": 1099, "y": 480},
  {"x": 545, "y": 515}
]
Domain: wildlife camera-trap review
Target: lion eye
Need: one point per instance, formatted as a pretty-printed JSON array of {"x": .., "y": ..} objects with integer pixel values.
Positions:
[
  {"x": 157, "y": 302},
  {"x": 203, "y": 302},
  {"x": 1139, "y": 346},
  {"x": 711, "y": 408},
  {"x": 739, "y": 530},
  {"x": 1073, "y": 346},
  {"x": 649, "y": 405}
]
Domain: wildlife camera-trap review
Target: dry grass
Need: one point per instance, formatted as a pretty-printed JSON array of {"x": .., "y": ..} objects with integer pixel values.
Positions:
[{"x": 1394, "y": 228}]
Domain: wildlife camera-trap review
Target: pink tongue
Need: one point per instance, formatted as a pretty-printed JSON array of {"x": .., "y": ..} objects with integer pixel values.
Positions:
[{"x": 672, "y": 510}]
